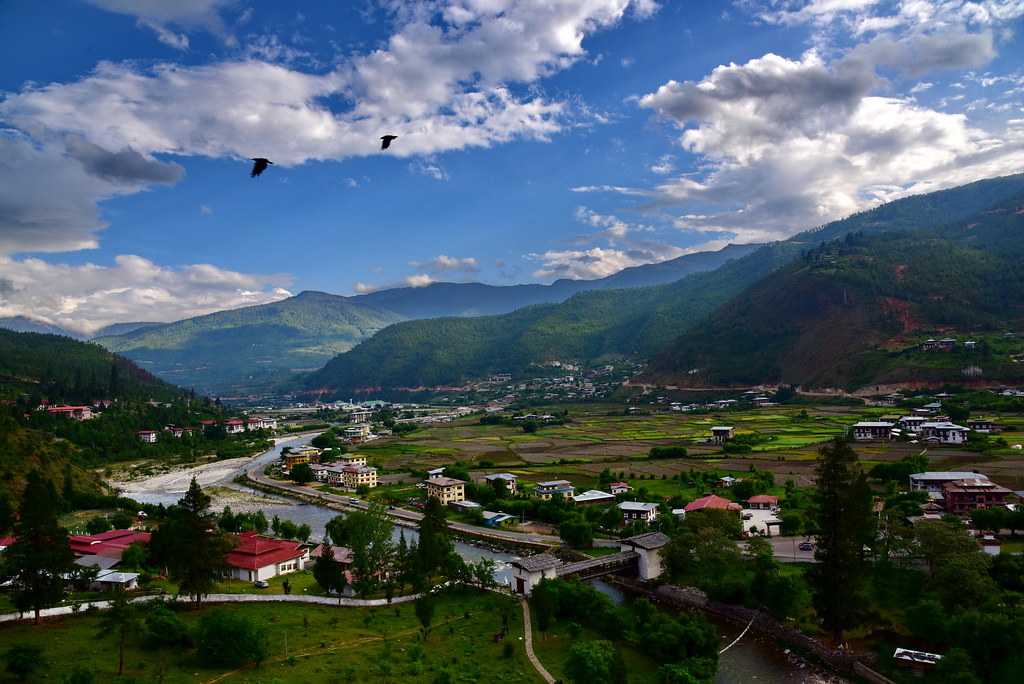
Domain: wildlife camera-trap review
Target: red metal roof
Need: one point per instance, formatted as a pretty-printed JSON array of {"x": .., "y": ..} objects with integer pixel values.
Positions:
[
  {"x": 111, "y": 543},
  {"x": 763, "y": 498},
  {"x": 711, "y": 501},
  {"x": 254, "y": 551}
]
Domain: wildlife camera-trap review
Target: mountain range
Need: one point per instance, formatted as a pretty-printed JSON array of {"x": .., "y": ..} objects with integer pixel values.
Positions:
[
  {"x": 256, "y": 348},
  {"x": 654, "y": 322}
]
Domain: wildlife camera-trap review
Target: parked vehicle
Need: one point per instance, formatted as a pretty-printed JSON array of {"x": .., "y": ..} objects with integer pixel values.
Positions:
[{"x": 261, "y": 584}]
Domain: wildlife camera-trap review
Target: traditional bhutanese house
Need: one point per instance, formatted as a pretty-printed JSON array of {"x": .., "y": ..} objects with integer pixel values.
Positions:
[
  {"x": 872, "y": 430},
  {"x": 944, "y": 432},
  {"x": 294, "y": 458},
  {"x": 638, "y": 510},
  {"x": 933, "y": 481},
  {"x": 111, "y": 543},
  {"x": 73, "y": 412},
  {"x": 551, "y": 488},
  {"x": 256, "y": 557},
  {"x": 982, "y": 425},
  {"x": 510, "y": 481},
  {"x": 147, "y": 436},
  {"x": 720, "y": 434},
  {"x": 963, "y": 496},
  {"x": 712, "y": 501},
  {"x": 234, "y": 426},
  {"x": 617, "y": 488}
]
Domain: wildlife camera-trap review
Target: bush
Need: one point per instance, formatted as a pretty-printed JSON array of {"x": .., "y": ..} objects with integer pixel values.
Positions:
[
  {"x": 23, "y": 659},
  {"x": 163, "y": 628},
  {"x": 229, "y": 639},
  {"x": 667, "y": 452}
]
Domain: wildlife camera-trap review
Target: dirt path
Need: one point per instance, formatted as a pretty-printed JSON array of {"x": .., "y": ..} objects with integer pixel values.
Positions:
[{"x": 528, "y": 641}]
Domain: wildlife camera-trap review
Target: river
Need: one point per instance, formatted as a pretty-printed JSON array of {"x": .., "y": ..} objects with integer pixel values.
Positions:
[{"x": 751, "y": 660}]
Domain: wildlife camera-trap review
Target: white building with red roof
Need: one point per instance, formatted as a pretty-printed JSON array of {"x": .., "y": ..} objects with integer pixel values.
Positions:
[
  {"x": 73, "y": 412},
  {"x": 764, "y": 502},
  {"x": 712, "y": 501},
  {"x": 234, "y": 426},
  {"x": 109, "y": 544},
  {"x": 259, "y": 558},
  {"x": 147, "y": 436}
]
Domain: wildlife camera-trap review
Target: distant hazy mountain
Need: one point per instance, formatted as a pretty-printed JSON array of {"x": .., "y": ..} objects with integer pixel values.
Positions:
[
  {"x": 476, "y": 299},
  {"x": 638, "y": 322},
  {"x": 26, "y": 324},
  {"x": 122, "y": 328},
  {"x": 231, "y": 352}
]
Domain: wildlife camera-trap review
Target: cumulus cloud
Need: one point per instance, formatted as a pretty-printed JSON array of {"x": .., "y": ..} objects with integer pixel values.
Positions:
[
  {"x": 439, "y": 87},
  {"x": 874, "y": 15},
  {"x": 427, "y": 167},
  {"x": 665, "y": 165},
  {"x": 87, "y": 297}
]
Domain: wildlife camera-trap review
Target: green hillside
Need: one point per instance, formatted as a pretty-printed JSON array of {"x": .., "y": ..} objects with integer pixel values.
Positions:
[
  {"x": 635, "y": 322},
  {"x": 241, "y": 349},
  {"x": 61, "y": 369},
  {"x": 853, "y": 312}
]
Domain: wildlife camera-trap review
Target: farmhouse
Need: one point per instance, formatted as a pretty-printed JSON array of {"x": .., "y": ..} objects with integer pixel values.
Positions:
[
  {"x": 547, "y": 490},
  {"x": 711, "y": 501},
  {"x": 764, "y": 502},
  {"x": 933, "y": 481},
  {"x": 911, "y": 423},
  {"x": 638, "y": 510},
  {"x": 259, "y": 558},
  {"x": 147, "y": 436},
  {"x": 234, "y": 426},
  {"x": 982, "y": 425},
  {"x": 617, "y": 488},
  {"x": 446, "y": 489},
  {"x": 509, "y": 480},
  {"x": 868, "y": 430},
  {"x": 593, "y": 497},
  {"x": 257, "y": 423},
  {"x": 944, "y": 432},
  {"x": 720, "y": 434},
  {"x": 177, "y": 432}
]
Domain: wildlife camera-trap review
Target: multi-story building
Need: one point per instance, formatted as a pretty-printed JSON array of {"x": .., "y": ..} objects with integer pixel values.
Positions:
[
  {"x": 510, "y": 481},
  {"x": 638, "y": 510},
  {"x": 551, "y": 488},
  {"x": 872, "y": 430},
  {"x": 355, "y": 476},
  {"x": 963, "y": 496},
  {"x": 446, "y": 489}
]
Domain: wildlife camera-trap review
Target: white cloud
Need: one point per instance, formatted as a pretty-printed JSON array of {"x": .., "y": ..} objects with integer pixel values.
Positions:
[
  {"x": 627, "y": 62},
  {"x": 87, "y": 297},
  {"x": 205, "y": 210},
  {"x": 159, "y": 15},
  {"x": 438, "y": 87},
  {"x": 665, "y": 165},
  {"x": 419, "y": 280},
  {"x": 443, "y": 263},
  {"x": 428, "y": 167},
  {"x": 921, "y": 87}
]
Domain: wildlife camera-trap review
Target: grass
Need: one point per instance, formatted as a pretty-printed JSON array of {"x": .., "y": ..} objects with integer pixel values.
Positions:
[{"x": 307, "y": 643}]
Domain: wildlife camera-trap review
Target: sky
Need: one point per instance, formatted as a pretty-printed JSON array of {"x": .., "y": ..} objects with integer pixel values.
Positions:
[{"x": 537, "y": 139}]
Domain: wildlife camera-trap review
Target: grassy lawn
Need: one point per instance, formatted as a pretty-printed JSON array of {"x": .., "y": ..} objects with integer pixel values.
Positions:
[
  {"x": 324, "y": 644},
  {"x": 1014, "y": 546}
]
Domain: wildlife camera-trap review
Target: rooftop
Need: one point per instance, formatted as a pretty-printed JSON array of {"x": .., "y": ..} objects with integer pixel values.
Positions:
[
  {"x": 637, "y": 506},
  {"x": 501, "y": 476},
  {"x": 711, "y": 501},
  {"x": 255, "y": 551},
  {"x": 946, "y": 475},
  {"x": 593, "y": 495},
  {"x": 537, "y": 563},
  {"x": 442, "y": 481},
  {"x": 555, "y": 483},
  {"x": 650, "y": 540}
]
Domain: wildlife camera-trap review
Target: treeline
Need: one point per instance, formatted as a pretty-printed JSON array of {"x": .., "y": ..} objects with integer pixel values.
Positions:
[{"x": 65, "y": 370}]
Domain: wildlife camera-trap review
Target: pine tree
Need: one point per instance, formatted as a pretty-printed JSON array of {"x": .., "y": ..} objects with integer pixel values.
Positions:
[
  {"x": 40, "y": 558},
  {"x": 435, "y": 545},
  {"x": 845, "y": 525}
]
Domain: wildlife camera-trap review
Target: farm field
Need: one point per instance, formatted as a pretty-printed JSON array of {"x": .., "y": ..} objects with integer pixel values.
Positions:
[
  {"x": 784, "y": 441},
  {"x": 306, "y": 643}
]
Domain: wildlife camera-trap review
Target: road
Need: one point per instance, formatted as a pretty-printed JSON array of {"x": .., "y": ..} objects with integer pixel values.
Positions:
[
  {"x": 787, "y": 550},
  {"x": 401, "y": 516}
]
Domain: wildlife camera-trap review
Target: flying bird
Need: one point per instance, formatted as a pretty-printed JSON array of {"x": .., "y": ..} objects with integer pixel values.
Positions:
[
  {"x": 385, "y": 141},
  {"x": 260, "y": 166}
]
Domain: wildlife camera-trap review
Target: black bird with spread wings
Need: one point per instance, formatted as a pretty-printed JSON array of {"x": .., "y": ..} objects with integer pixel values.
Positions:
[
  {"x": 260, "y": 166},
  {"x": 385, "y": 141}
]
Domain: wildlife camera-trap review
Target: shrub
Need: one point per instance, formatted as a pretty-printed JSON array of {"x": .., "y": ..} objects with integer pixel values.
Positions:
[
  {"x": 163, "y": 628},
  {"x": 229, "y": 639}
]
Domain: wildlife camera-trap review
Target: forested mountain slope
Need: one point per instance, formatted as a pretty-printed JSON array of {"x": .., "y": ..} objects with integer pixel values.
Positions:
[{"x": 639, "y": 321}]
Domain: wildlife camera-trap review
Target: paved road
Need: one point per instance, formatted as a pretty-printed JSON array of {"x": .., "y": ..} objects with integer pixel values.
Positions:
[
  {"x": 787, "y": 550},
  {"x": 402, "y": 515}
]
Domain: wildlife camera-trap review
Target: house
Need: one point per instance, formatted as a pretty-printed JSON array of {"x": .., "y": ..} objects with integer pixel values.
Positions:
[
  {"x": 354, "y": 477},
  {"x": 761, "y": 401},
  {"x": 256, "y": 557},
  {"x": 711, "y": 501},
  {"x": 177, "y": 432},
  {"x": 110, "y": 544},
  {"x": 963, "y": 496},
  {"x": 359, "y": 417},
  {"x": 593, "y": 497},
  {"x": 727, "y": 481},
  {"x": 257, "y": 423},
  {"x": 358, "y": 433},
  {"x": 111, "y": 580},
  {"x": 73, "y": 412},
  {"x": 944, "y": 432},
  {"x": 147, "y": 436},
  {"x": 465, "y": 506},
  {"x": 234, "y": 426},
  {"x": 933, "y": 481},
  {"x": 648, "y": 549},
  {"x": 352, "y": 460},
  {"x": 528, "y": 572},
  {"x": 763, "y": 502},
  {"x": 982, "y": 425},
  {"x": 638, "y": 510},
  {"x": 915, "y": 660},
  {"x": 911, "y": 423},
  {"x": 933, "y": 407},
  {"x": 510, "y": 482},
  {"x": 617, "y": 488},
  {"x": 330, "y": 473},
  {"x": 869, "y": 430},
  {"x": 294, "y": 458},
  {"x": 446, "y": 489},
  {"x": 551, "y": 488},
  {"x": 720, "y": 434},
  {"x": 945, "y": 344}
]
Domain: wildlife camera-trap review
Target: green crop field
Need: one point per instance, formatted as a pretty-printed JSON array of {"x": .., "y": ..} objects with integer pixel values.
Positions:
[{"x": 307, "y": 643}]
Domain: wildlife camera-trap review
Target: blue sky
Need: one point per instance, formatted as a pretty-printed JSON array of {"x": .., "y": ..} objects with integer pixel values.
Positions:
[{"x": 538, "y": 139}]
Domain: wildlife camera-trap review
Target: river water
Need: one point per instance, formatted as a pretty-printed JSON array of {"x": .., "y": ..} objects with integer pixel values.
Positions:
[{"x": 751, "y": 660}]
